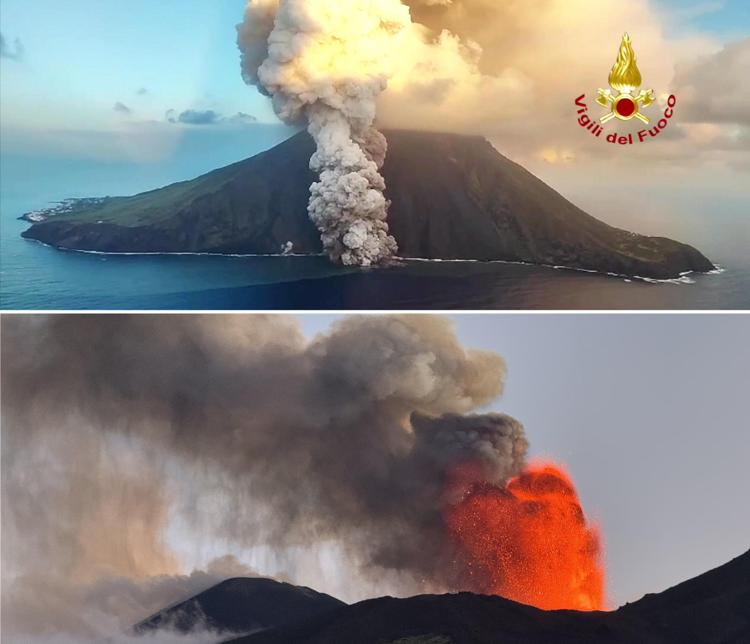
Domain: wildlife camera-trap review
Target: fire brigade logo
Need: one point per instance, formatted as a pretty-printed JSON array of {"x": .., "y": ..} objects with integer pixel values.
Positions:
[{"x": 623, "y": 101}]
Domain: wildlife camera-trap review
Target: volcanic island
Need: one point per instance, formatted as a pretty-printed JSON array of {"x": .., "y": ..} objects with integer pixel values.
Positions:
[{"x": 452, "y": 197}]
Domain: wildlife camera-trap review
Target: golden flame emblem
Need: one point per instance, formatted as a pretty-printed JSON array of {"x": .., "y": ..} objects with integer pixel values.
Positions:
[{"x": 625, "y": 79}]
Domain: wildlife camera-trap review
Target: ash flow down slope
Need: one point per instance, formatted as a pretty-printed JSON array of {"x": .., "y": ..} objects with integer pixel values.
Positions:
[{"x": 453, "y": 197}]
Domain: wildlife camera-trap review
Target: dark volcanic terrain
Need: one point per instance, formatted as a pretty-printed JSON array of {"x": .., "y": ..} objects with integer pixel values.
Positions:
[
  {"x": 713, "y": 608},
  {"x": 240, "y": 606},
  {"x": 453, "y": 197}
]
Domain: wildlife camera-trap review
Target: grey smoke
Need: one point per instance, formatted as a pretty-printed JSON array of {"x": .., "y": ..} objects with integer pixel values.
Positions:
[
  {"x": 327, "y": 74},
  {"x": 112, "y": 424},
  {"x": 49, "y": 609}
]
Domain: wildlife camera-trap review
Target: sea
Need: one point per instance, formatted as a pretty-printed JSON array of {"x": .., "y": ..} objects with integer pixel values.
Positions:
[{"x": 37, "y": 277}]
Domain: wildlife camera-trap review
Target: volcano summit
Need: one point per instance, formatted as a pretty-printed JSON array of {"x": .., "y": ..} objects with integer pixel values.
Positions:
[{"x": 452, "y": 197}]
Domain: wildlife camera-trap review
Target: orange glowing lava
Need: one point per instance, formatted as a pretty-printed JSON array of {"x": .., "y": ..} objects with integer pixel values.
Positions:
[{"x": 529, "y": 541}]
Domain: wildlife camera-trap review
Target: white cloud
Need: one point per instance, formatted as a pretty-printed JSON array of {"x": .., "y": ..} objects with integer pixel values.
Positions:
[
  {"x": 715, "y": 87},
  {"x": 511, "y": 70}
]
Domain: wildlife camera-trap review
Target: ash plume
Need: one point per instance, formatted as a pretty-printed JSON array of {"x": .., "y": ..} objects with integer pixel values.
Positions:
[
  {"x": 324, "y": 63},
  {"x": 240, "y": 427}
]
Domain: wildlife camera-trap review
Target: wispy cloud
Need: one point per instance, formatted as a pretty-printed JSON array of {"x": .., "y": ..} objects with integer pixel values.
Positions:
[
  {"x": 242, "y": 117},
  {"x": 199, "y": 117},
  {"x": 121, "y": 108},
  {"x": 208, "y": 117},
  {"x": 16, "y": 52}
]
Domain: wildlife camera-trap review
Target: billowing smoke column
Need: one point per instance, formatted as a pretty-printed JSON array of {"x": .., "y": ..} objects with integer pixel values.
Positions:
[
  {"x": 324, "y": 63},
  {"x": 240, "y": 428},
  {"x": 245, "y": 433}
]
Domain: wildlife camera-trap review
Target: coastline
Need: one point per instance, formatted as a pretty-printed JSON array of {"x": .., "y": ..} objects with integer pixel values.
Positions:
[{"x": 684, "y": 277}]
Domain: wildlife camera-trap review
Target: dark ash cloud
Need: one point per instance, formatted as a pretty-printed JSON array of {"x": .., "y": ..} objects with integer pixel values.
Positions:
[
  {"x": 252, "y": 395},
  {"x": 289, "y": 443}
]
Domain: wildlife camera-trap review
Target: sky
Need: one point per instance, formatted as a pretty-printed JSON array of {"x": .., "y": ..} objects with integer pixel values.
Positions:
[
  {"x": 80, "y": 58},
  {"x": 648, "y": 412},
  {"x": 728, "y": 19}
]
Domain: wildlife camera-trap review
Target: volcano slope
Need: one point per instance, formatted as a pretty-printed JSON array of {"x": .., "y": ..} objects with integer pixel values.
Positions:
[
  {"x": 241, "y": 605},
  {"x": 453, "y": 197},
  {"x": 713, "y": 608}
]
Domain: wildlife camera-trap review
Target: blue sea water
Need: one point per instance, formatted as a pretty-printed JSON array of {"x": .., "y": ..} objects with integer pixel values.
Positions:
[{"x": 33, "y": 276}]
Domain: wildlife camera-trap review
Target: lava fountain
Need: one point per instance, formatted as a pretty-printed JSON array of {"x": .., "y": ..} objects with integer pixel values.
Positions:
[{"x": 528, "y": 541}]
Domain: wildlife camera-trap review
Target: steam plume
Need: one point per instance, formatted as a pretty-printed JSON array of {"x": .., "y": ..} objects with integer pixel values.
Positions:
[
  {"x": 324, "y": 63},
  {"x": 243, "y": 429}
]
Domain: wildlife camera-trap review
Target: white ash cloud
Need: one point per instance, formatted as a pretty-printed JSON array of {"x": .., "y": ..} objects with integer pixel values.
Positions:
[{"x": 324, "y": 63}]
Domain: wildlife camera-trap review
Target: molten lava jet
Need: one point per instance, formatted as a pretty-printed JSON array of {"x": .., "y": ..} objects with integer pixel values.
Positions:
[{"x": 528, "y": 541}]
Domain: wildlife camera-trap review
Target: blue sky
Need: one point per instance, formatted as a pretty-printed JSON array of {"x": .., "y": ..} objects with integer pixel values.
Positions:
[
  {"x": 81, "y": 57},
  {"x": 727, "y": 19}
]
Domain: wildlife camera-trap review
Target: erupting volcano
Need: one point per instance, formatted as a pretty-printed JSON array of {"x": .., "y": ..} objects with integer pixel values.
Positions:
[
  {"x": 375, "y": 416},
  {"x": 529, "y": 541}
]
